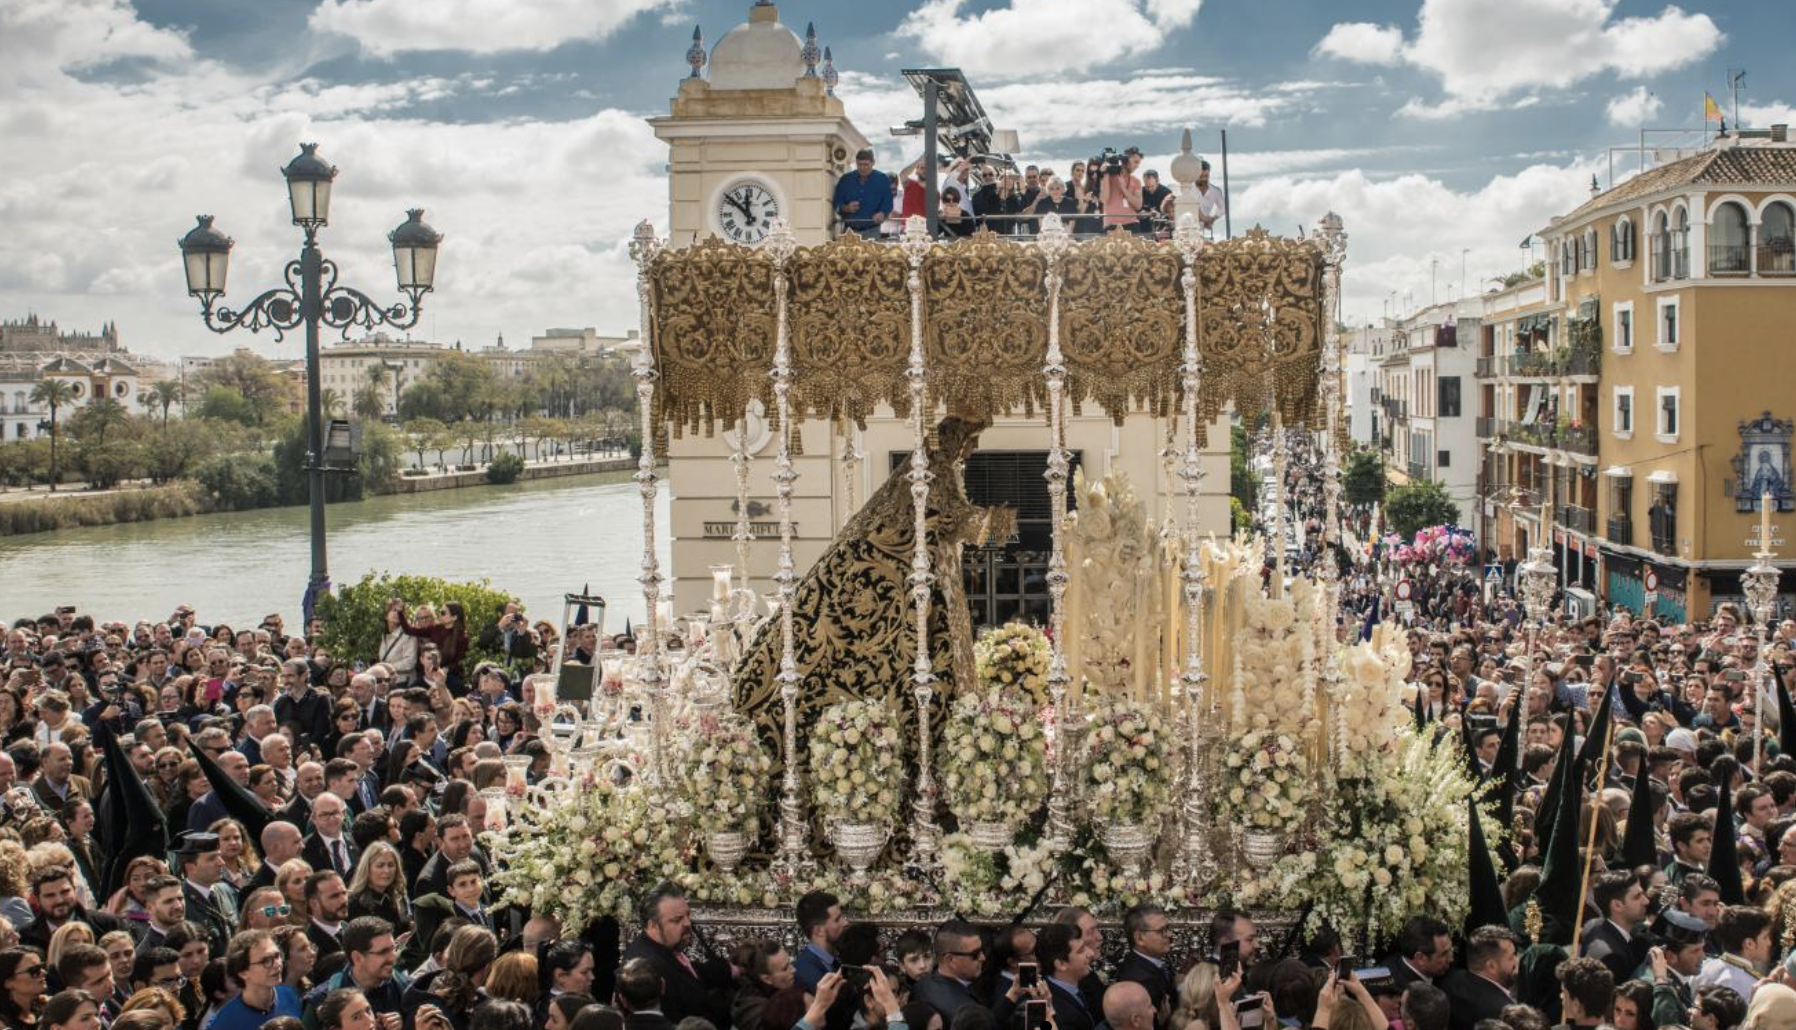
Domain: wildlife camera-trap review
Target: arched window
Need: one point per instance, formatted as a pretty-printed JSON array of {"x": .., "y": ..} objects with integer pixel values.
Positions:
[
  {"x": 1589, "y": 255},
  {"x": 1777, "y": 238},
  {"x": 1730, "y": 234},
  {"x": 1680, "y": 244},
  {"x": 1621, "y": 240}
]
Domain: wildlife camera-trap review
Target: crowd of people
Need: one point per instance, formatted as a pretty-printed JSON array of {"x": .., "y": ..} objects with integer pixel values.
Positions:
[{"x": 1110, "y": 191}]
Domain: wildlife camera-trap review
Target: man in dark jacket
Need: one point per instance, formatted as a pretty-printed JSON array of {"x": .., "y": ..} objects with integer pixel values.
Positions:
[
  {"x": 1486, "y": 984},
  {"x": 1424, "y": 952},
  {"x": 959, "y": 959},
  {"x": 1149, "y": 933},
  {"x": 689, "y": 989},
  {"x": 53, "y": 889},
  {"x": 1064, "y": 961},
  {"x": 1616, "y": 939},
  {"x": 369, "y": 967},
  {"x": 640, "y": 994}
]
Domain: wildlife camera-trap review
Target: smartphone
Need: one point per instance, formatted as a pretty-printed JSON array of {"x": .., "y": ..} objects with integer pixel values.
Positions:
[
  {"x": 1028, "y": 975},
  {"x": 856, "y": 975},
  {"x": 1228, "y": 960},
  {"x": 1250, "y": 1014},
  {"x": 1345, "y": 967},
  {"x": 1035, "y": 1014}
]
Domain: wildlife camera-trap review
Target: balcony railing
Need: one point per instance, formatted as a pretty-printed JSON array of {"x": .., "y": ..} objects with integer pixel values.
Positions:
[
  {"x": 1418, "y": 472},
  {"x": 1490, "y": 366},
  {"x": 1577, "y": 518},
  {"x": 1531, "y": 363},
  {"x": 1489, "y": 428},
  {"x": 1577, "y": 439},
  {"x": 1671, "y": 256},
  {"x": 1729, "y": 259},
  {"x": 1586, "y": 360},
  {"x": 1528, "y": 496},
  {"x": 1777, "y": 258},
  {"x": 1620, "y": 531}
]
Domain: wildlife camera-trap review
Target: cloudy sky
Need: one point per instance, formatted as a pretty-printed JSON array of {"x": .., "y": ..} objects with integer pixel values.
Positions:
[{"x": 1440, "y": 132}]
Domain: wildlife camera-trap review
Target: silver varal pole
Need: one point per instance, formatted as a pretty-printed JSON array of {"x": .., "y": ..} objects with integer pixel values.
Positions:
[
  {"x": 1054, "y": 243},
  {"x": 924, "y": 833},
  {"x": 651, "y": 661},
  {"x": 1195, "y": 863}
]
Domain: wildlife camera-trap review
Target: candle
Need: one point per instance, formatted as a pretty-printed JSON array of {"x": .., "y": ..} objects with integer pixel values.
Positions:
[
  {"x": 1765, "y": 521},
  {"x": 720, "y": 581}
]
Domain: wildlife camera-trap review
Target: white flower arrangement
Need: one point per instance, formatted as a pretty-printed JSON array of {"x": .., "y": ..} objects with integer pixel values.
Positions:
[
  {"x": 1372, "y": 699},
  {"x": 857, "y": 763},
  {"x": 994, "y": 758},
  {"x": 1013, "y": 655},
  {"x": 1266, "y": 781},
  {"x": 1127, "y": 758},
  {"x": 1394, "y": 846},
  {"x": 726, "y": 778},
  {"x": 1271, "y": 691},
  {"x": 585, "y": 853},
  {"x": 990, "y": 885}
]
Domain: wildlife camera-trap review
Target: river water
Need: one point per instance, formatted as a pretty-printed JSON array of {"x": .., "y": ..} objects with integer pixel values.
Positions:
[{"x": 537, "y": 541}]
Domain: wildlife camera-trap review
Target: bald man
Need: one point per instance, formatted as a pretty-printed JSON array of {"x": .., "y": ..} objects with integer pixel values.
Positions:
[
  {"x": 1128, "y": 1007},
  {"x": 281, "y": 841}
]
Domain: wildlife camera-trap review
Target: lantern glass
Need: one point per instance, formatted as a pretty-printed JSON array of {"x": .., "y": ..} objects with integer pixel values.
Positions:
[
  {"x": 415, "y": 253},
  {"x": 311, "y": 200},
  {"x": 205, "y": 255}
]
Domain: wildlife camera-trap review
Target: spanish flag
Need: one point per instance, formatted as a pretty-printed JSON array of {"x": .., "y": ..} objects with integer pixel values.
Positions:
[{"x": 1711, "y": 111}]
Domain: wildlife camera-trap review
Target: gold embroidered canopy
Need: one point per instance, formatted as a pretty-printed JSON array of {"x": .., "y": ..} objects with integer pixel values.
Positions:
[{"x": 987, "y": 314}]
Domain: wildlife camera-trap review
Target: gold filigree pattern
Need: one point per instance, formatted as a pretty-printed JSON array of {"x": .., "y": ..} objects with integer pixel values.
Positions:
[
  {"x": 712, "y": 327},
  {"x": 850, "y": 329},
  {"x": 1121, "y": 316},
  {"x": 985, "y": 325},
  {"x": 1260, "y": 319}
]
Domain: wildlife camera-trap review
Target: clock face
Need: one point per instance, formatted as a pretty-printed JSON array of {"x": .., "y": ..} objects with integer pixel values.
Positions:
[{"x": 746, "y": 210}]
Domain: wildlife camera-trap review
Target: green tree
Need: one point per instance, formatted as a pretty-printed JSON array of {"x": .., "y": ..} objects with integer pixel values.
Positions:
[
  {"x": 225, "y": 404},
  {"x": 1416, "y": 506},
  {"x": 1240, "y": 519},
  {"x": 463, "y": 385},
  {"x": 164, "y": 394},
  {"x": 1243, "y": 486},
  {"x": 1537, "y": 270},
  {"x": 331, "y": 401},
  {"x": 173, "y": 451},
  {"x": 101, "y": 416},
  {"x": 106, "y": 462},
  {"x": 252, "y": 377},
  {"x": 426, "y": 434},
  {"x": 377, "y": 467},
  {"x": 504, "y": 468},
  {"x": 369, "y": 404},
  {"x": 54, "y": 393},
  {"x": 353, "y": 616},
  {"x": 1364, "y": 480}
]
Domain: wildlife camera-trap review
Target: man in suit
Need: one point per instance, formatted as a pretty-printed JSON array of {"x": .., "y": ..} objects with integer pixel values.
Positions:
[
  {"x": 209, "y": 902},
  {"x": 53, "y": 891},
  {"x": 1149, "y": 933},
  {"x": 820, "y": 922},
  {"x": 1091, "y": 938},
  {"x": 308, "y": 783},
  {"x": 688, "y": 989},
  {"x": 327, "y": 906},
  {"x": 258, "y": 722},
  {"x": 959, "y": 959},
  {"x": 328, "y": 847},
  {"x": 281, "y": 843},
  {"x": 463, "y": 901},
  {"x": 166, "y": 901},
  {"x": 57, "y": 788},
  {"x": 366, "y": 688},
  {"x": 1424, "y": 952},
  {"x": 1616, "y": 940},
  {"x": 1064, "y": 961},
  {"x": 455, "y": 842},
  {"x": 1128, "y": 1007},
  {"x": 210, "y": 808},
  {"x": 1485, "y": 985},
  {"x": 639, "y": 992}
]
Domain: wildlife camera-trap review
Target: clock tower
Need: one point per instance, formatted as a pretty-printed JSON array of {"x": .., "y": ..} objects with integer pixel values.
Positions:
[{"x": 761, "y": 138}]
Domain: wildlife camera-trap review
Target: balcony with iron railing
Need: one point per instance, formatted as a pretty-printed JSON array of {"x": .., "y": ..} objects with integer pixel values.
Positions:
[
  {"x": 1620, "y": 531},
  {"x": 1576, "y": 439},
  {"x": 1577, "y": 518},
  {"x": 1578, "y": 360},
  {"x": 1777, "y": 257},
  {"x": 1418, "y": 472},
  {"x": 1730, "y": 259},
  {"x": 1488, "y": 428},
  {"x": 1490, "y": 366},
  {"x": 1527, "y": 496},
  {"x": 1671, "y": 256}
]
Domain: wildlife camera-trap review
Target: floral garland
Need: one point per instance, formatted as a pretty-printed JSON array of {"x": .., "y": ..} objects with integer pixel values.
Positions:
[
  {"x": 1128, "y": 772},
  {"x": 1394, "y": 845},
  {"x": 1013, "y": 654},
  {"x": 857, "y": 763},
  {"x": 989, "y": 884},
  {"x": 583, "y": 856},
  {"x": 1268, "y": 781},
  {"x": 994, "y": 758},
  {"x": 726, "y": 779},
  {"x": 1372, "y": 699}
]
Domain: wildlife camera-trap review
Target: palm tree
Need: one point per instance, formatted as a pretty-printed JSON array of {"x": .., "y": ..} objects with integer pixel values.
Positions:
[
  {"x": 161, "y": 394},
  {"x": 378, "y": 374},
  {"x": 102, "y": 414},
  {"x": 369, "y": 404},
  {"x": 55, "y": 393},
  {"x": 331, "y": 401}
]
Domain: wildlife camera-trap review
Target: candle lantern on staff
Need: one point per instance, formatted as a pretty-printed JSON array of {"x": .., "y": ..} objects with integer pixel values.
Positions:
[{"x": 1759, "y": 584}]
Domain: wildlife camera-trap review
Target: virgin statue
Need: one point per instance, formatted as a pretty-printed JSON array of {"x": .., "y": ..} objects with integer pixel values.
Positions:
[{"x": 854, "y": 625}]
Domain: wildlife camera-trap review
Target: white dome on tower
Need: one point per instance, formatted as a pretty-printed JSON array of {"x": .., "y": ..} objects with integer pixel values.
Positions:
[{"x": 758, "y": 54}]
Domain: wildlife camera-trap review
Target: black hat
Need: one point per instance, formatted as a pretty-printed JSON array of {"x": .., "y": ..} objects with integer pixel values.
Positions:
[
  {"x": 196, "y": 842},
  {"x": 1679, "y": 928}
]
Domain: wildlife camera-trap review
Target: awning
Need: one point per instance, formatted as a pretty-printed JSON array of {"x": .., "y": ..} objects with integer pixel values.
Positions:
[
  {"x": 1663, "y": 476},
  {"x": 1619, "y": 472}
]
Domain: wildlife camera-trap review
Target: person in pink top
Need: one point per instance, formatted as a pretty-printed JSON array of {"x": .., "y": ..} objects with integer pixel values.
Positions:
[{"x": 1121, "y": 189}]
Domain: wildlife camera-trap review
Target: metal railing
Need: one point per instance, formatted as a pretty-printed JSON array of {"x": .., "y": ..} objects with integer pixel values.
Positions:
[
  {"x": 1671, "y": 256},
  {"x": 1777, "y": 258},
  {"x": 1577, "y": 439},
  {"x": 1488, "y": 428},
  {"x": 1730, "y": 259},
  {"x": 1490, "y": 366},
  {"x": 1528, "y": 496},
  {"x": 1418, "y": 471},
  {"x": 1620, "y": 531},
  {"x": 1577, "y": 518}
]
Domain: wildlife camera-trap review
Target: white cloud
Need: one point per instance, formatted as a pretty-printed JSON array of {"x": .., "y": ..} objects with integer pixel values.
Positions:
[
  {"x": 1362, "y": 41},
  {"x": 1487, "y": 53},
  {"x": 1397, "y": 226},
  {"x": 1036, "y": 37},
  {"x": 387, "y": 27},
  {"x": 1634, "y": 108},
  {"x": 39, "y": 39},
  {"x": 1775, "y": 112}
]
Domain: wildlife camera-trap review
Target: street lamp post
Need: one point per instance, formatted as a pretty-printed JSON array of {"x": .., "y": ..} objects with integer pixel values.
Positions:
[{"x": 311, "y": 296}]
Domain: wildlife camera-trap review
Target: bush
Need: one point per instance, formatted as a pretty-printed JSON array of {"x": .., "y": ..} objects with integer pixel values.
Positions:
[
  {"x": 239, "y": 482},
  {"x": 354, "y": 615},
  {"x": 71, "y": 510},
  {"x": 506, "y": 468},
  {"x": 1364, "y": 479}
]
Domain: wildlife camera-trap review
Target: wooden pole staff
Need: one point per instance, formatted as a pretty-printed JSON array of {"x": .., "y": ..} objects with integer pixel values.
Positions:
[{"x": 1596, "y": 798}]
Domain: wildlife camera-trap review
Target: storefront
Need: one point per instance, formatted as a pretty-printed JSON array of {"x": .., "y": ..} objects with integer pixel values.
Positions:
[{"x": 1629, "y": 579}]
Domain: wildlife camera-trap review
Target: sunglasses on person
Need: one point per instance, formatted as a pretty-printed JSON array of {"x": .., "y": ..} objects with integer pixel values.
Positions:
[{"x": 277, "y": 911}]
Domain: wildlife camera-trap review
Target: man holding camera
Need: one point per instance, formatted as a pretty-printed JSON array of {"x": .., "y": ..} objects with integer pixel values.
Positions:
[{"x": 510, "y": 636}]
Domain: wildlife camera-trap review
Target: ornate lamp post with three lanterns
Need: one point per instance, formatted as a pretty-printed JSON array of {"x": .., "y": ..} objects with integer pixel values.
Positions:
[{"x": 312, "y": 295}]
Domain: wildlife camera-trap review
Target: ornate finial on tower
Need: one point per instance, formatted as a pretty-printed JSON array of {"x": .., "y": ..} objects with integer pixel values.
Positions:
[
  {"x": 810, "y": 53},
  {"x": 830, "y": 78},
  {"x": 695, "y": 54},
  {"x": 1185, "y": 169}
]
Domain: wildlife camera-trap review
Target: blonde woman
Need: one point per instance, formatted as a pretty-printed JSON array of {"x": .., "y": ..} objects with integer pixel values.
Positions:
[
  {"x": 240, "y": 859},
  {"x": 65, "y": 937},
  {"x": 378, "y": 887},
  {"x": 1197, "y": 999},
  {"x": 15, "y": 881},
  {"x": 156, "y": 999},
  {"x": 291, "y": 879}
]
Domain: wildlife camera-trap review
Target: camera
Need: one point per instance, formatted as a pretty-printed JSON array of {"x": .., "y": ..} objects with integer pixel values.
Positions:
[
  {"x": 1112, "y": 162},
  {"x": 1250, "y": 1013}
]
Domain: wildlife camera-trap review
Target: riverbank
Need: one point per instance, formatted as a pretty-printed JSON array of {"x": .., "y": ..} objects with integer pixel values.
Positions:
[{"x": 44, "y": 513}]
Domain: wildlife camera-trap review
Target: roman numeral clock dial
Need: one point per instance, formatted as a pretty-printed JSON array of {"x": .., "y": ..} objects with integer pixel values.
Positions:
[{"x": 746, "y": 210}]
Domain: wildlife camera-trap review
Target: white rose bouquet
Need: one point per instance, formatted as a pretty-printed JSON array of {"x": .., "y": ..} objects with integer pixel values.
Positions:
[
  {"x": 857, "y": 763},
  {"x": 994, "y": 758},
  {"x": 1267, "y": 782},
  {"x": 980, "y": 883},
  {"x": 1013, "y": 655},
  {"x": 1372, "y": 699},
  {"x": 1128, "y": 762},
  {"x": 726, "y": 777},
  {"x": 585, "y": 853}
]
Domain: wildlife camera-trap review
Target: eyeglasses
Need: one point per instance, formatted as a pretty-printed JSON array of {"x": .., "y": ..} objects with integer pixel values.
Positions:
[
  {"x": 277, "y": 911},
  {"x": 383, "y": 679},
  {"x": 269, "y": 962},
  {"x": 173, "y": 983}
]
